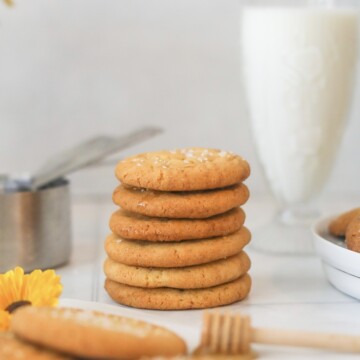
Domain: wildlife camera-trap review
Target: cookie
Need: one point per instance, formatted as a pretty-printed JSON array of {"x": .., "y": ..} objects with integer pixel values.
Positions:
[
  {"x": 134, "y": 226},
  {"x": 352, "y": 238},
  {"x": 12, "y": 348},
  {"x": 174, "y": 299},
  {"x": 248, "y": 356},
  {"x": 90, "y": 334},
  {"x": 183, "y": 170},
  {"x": 175, "y": 254},
  {"x": 192, "y": 204},
  {"x": 338, "y": 226},
  {"x": 191, "y": 277}
]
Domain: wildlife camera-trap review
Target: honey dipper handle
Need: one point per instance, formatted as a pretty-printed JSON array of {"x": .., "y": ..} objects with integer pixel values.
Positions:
[{"x": 337, "y": 342}]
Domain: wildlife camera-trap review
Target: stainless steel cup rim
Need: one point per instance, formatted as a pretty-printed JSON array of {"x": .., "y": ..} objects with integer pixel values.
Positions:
[{"x": 35, "y": 227}]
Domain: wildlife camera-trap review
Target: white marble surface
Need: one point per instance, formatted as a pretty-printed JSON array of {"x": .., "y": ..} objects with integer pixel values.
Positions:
[
  {"x": 75, "y": 69},
  {"x": 288, "y": 292}
]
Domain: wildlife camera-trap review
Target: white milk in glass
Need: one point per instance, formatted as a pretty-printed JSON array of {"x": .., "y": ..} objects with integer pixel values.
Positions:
[{"x": 299, "y": 73}]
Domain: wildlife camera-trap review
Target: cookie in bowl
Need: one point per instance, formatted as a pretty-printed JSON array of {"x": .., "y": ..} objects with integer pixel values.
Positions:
[
  {"x": 337, "y": 226},
  {"x": 352, "y": 235}
]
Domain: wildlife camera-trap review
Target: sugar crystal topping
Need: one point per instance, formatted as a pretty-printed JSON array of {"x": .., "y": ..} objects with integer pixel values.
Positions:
[
  {"x": 181, "y": 157},
  {"x": 105, "y": 321}
]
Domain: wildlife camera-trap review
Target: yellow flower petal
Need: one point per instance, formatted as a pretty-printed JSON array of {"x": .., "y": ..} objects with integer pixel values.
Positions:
[
  {"x": 4, "y": 320},
  {"x": 40, "y": 288},
  {"x": 43, "y": 288},
  {"x": 11, "y": 286}
]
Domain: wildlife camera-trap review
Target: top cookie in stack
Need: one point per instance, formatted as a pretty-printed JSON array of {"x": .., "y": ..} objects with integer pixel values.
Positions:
[{"x": 177, "y": 241}]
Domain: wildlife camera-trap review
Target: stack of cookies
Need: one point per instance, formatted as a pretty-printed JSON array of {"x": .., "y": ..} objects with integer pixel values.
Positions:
[{"x": 178, "y": 237}]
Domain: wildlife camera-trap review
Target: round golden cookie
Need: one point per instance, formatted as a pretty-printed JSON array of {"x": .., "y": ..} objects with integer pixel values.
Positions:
[
  {"x": 139, "y": 227},
  {"x": 12, "y": 348},
  {"x": 248, "y": 356},
  {"x": 175, "y": 299},
  {"x": 191, "y": 277},
  {"x": 192, "y": 204},
  {"x": 183, "y": 170},
  {"x": 91, "y": 334},
  {"x": 209, "y": 356},
  {"x": 175, "y": 254},
  {"x": 338, "y": 226},
  {"x": 352, "y": 238}
]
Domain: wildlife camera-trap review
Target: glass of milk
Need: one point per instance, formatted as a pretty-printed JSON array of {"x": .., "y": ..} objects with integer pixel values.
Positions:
[{"x": 299, "y": 60}]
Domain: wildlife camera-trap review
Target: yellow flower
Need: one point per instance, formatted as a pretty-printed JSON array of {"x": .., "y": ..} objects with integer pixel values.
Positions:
[{"x": 40, "y": 288}]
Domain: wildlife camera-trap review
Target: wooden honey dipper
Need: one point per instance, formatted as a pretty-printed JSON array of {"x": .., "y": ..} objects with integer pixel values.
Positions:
[{"x": 233, "y": 334}]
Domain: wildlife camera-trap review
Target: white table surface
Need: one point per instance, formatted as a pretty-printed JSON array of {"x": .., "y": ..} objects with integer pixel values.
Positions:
[{"x": 288, "y": 292}]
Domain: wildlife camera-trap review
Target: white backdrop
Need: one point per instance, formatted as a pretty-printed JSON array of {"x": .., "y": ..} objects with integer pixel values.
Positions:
[{"x": 70, "y": 69}]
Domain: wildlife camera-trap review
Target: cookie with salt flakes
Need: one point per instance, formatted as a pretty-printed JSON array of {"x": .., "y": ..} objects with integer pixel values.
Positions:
[
  {"x": 94, "y": 335},
  {"x": 183, "y": 170},
  {"x": 176, "y": 254},
  {"x": 139, "y": 227},
  {"x": 180, "y": 204},
  {"x": 176, "y": 299}
]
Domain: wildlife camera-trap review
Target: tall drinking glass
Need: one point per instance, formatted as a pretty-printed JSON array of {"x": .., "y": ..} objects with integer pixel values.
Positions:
[{"x": 299, "y": 60}]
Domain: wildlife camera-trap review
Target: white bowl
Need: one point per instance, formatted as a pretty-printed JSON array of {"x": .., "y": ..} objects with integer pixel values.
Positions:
[
  {"x": 333, "y": 251},
  {"x": 346, "y": 283},
  {"x": 341, "y": 265}
]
